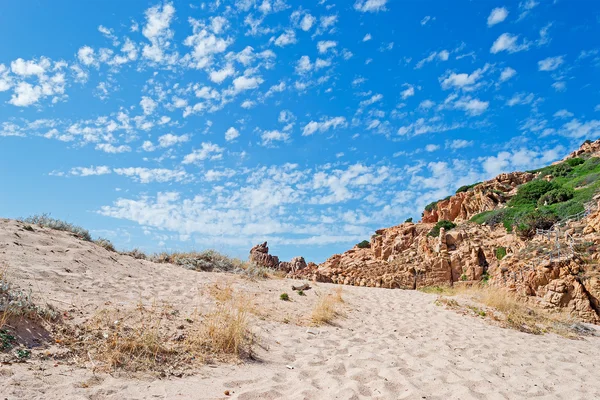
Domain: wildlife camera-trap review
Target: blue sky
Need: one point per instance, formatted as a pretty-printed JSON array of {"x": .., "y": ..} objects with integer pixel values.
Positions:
[{"x": 190, "y": 125}]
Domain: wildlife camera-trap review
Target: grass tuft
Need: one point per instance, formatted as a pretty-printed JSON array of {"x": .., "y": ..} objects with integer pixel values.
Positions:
[
  {"x": 326, "y": 308},
  {"x": 46, "y": 221}
]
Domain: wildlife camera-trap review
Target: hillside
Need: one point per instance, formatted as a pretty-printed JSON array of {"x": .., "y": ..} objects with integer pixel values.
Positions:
[
  {"x": 534, "y": 233},
  {"x": 97, "y": 324}
]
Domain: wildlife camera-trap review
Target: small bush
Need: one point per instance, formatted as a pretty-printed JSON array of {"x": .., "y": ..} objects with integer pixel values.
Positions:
[
  {"x": 490, "y": 218},
  {"x": 536, "y": 219},
  {"x": 408, "y": 220},
  {"x": 466, "y": 187},
  {"x": 137, "y": 254},
  {"x": 46, "y": 221},
  {"x": 590, "y": 165},
  {"x": 568, "y": 208},
  {"x": 105, "y": 243},
  {"x": 573, "y": 162},
  {"x": 556, "y": 196},
  {"x": 463, "y": 277},
  {"x": 500, "y": 253},
  {"x": 284, "y": 297},
  {"x": 208, "y": 260},
  {"x": 530, "y": 193},
  {"x": 301, "y": 293},
  {"x": 365, "y": 244},
  {"x": 435, "y": 231}
]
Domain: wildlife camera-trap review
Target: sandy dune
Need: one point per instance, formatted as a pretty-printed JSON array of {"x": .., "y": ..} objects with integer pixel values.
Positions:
[{"x": 390, "y": 344}]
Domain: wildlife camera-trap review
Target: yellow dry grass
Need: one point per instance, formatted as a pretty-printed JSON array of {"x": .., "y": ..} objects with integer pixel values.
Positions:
[
  {"x": 326, "y": 308},
  {"x": 509, "y": 309}
]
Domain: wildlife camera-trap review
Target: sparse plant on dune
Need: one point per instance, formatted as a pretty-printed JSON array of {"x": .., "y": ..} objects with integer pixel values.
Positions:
[
  {"x": 208, "y": 260},
  {"x": 46, "y": 221},
  {"x": 105, "y": 243},
  {"x": 326, "y": 308}
]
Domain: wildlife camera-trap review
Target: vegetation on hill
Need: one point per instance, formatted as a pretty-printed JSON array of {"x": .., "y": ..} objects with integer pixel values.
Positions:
[
  {"x": 559, "y": 191},
  {"x": 435, "y": 231},
  {"x": 365, "y": 244}
]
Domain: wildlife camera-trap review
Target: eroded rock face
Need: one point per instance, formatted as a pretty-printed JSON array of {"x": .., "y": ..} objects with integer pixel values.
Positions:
[
  {"x": 589, "y": 147},
  {"x": 486, "y": 196},
  {"x": 260, "y": 256}
]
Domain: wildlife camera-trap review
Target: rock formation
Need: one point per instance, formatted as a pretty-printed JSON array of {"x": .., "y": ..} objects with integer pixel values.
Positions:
[
  {"x": 485, "y": 196},
  {"x": 557, "y": 272},
  {"x": 260, "y": 256}
]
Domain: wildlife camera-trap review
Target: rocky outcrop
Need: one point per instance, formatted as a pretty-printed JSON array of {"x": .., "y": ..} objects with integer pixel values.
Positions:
[
  {"x": 485, "y": 196},
  {"x": 592, "y": 149},
  {"x": 260, "y": 256}
]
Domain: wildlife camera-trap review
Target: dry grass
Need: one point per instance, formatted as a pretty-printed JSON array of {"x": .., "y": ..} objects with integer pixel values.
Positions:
[
  {"x": 131, "y": 341},
  {"x": 225, "y": 331},
  {"x": 157, "y": 338},
  {"x": 509, "y": 309},
  {"x": 326, "y": 308}
]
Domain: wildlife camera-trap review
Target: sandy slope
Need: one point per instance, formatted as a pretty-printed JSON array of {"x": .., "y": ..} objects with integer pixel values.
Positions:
[{"x": 391, "y": 344}]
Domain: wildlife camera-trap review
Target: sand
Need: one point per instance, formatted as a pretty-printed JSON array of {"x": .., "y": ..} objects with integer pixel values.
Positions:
[{"x": 388, "y": 344}]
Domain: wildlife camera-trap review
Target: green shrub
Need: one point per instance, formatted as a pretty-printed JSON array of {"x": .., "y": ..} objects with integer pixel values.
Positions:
[
  {"x": 556, "y": 196},
  {"x": 301, "y": 293},
  {"x": 365, "y": 244},
  {"x": 536, "y": 219},
  {"x": 435, "y": 231},
  {"x": 284, "y": 297},
  {"x": 208, "y": 260},
  {"x": 466, "y": 187},
  {"x": 408, "y": 220},
  {"x": 46, "y": 221},
  {"x": 490, "y": 218},
  {"x": 567, "y": 209},
  {"x": 463, "y": 277},
  {"x": 590, "y": 165},
  {"x": 573, "y": 162},
  {"x": 530, "y": 193},
  {"x": 500, "y": 253},
  {"x": 431, "y": 206}
]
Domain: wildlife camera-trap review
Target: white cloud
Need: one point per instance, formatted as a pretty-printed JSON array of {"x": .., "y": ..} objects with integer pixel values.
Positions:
[
  {"x": 148, "y": 175},
  {"x": 219, "y": 76},
  {"x": 426, "y": 19},
  {"x": 508, "y": 42},
  {"x": 432, "y": 147},
  {"x": 559, "y": 86},
  {"x": 442, "y": 55},
  {"x": 408, "y": 92},
  {"x": 458, "y": 144},
  {"x": 466, "y": 82},
  {"x": 520, "y": 99},
  {"x": 247, "y": 104},
  {"x": 497, "y": 15},
  {"x": 307, "y": 22},
  {"x": 370, "y": 5},
  {"x": 580, "y": 130},
  {"x": 550, "y": 63},
  {"x": 471, "y": 106},
  {"x": 169, "y": 140},
  {"x": 324, "y": 125},
  {"x": 426, "y": 104},
  {"x": 156, "y": 30},
  {"x": 205, "y": 45},
  {"x": 109, "y": 148},
  {"x": 246, "y": 83},
  {"x": 325, "y": 45},
  {"x": 30, "y": 67},
  {"x": 367, "y": 37},
  {"x": 288, "y": 37},
  {"x": 208, "y": 150},
  {"x": 25, "y": 95},
  {"x": 303, "y": 65},
  {"x": 148, "y": 105},
  {"x": 231, "y": 134},
  {"x": 507, "y": 73},
  {"x": 86, "y": 55},
  {"x": 563, "y": 114},
  {"x": 91, "y": 171},
  {"x": 268, "y": 137}
]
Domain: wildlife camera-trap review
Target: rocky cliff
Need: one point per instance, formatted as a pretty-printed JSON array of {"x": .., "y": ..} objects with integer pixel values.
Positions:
[
  {"x": 484, "y": 196},
  {"x": 557, "y": 269}
]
